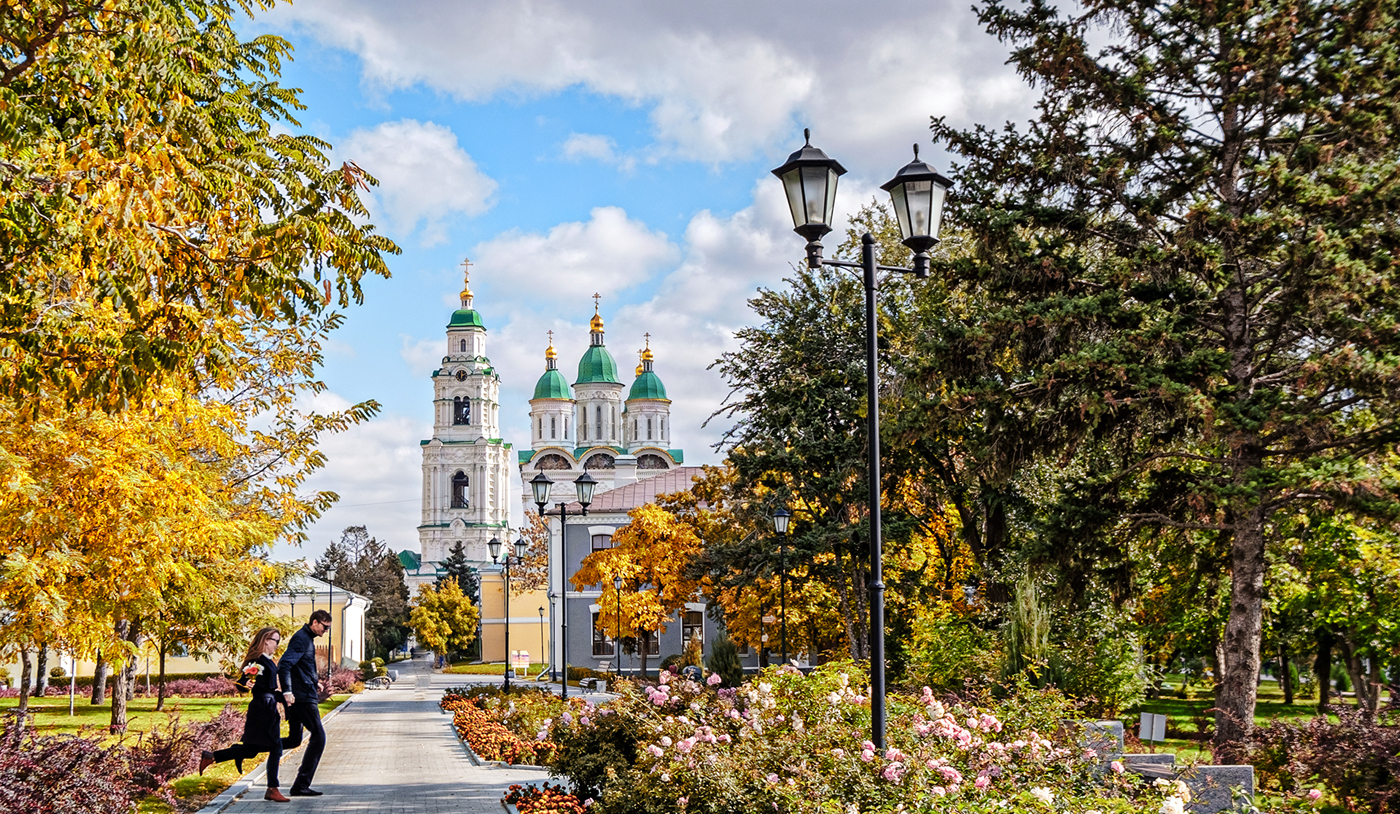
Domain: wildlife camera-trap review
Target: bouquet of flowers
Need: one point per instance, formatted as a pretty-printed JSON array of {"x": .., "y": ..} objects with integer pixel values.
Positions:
[{"x": 251, "y": 671}]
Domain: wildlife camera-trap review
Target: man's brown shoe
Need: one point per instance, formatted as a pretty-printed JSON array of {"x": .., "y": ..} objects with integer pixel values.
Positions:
[
  {"x": 276, "y": 796},
  {"x": 206, "y": 759}
]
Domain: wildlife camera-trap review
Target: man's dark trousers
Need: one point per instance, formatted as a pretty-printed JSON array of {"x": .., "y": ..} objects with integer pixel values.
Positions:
[{"x": 303, "y": 714}]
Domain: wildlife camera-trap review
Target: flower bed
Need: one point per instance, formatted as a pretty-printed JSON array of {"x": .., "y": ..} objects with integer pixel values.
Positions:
[
  {"x": 489, "y": 739},
  {"x": 543, "y": 800},
  {"x": 788, "y": 743}
]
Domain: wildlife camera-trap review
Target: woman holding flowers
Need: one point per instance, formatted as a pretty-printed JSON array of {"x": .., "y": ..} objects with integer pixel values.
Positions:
[{"x": 262, "y": 730}]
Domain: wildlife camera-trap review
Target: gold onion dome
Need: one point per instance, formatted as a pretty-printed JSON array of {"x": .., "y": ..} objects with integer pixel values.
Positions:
[
  {"x": 550, "y": 353},
  {"x": 596, "y": 325}
]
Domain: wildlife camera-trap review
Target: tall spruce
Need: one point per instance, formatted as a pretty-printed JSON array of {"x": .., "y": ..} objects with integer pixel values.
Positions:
[{"x": 1188, "y": 265}]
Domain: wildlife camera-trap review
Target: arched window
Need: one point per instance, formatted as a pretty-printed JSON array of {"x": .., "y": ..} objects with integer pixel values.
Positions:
[
  {"x": 464, "y": 346},
  {"x": 552, "y": 461},
  {"x": 648, "y": 429},
  {"x": 601, "y": 461},
  {"x": 598, "y": 421},
  {"x": 635, "y": 434},
  {"x": 566, "y": 428},
  {"x": 461, "y": 410},
  {"x": 541, "y": 429},
  {"x": 663, "y": 429},
  {"x": 552, "y": 419},
  {"x": 459, "y": 490},
  {"x": 651, "y": 461}
]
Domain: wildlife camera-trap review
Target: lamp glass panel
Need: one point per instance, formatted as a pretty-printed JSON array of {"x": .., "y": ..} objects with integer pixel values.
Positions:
[
  {"x": 815, "y": 194},
  {"x": 540, "y": 485},
  {"x": 936, "y": 212},
  {"x": 494, "y": 547},
  {"x": 792, "y": 185},
  {"x": 901, "y": 209},
  {"x": 832, "y": 178},
  {"x": 919, "y": 195},
  {"x": 521, "y": 547},
  {"x": 585, "y": 485}
]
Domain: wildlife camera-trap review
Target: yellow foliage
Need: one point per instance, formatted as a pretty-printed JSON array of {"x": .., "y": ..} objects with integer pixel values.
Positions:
[{"x": 443, "y": 618}]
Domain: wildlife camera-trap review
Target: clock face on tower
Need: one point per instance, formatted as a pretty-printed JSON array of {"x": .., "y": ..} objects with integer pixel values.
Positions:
[{"x": 461, "y": 375}]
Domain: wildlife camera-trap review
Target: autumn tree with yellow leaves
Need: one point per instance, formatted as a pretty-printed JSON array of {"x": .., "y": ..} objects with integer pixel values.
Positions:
[
  {"x": 652, "y": 555},
  {"x": 444, "y": 618}
]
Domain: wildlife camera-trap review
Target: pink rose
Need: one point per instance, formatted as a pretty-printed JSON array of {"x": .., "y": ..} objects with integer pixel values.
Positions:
[
  {"x": 772, "y": 779},
  {"x": 1314, "y": 795},
  {"x": 867, "y": 755},
  {"x": 982, "y": 782},
  {"x": 1116, "y": 766},
  {"x": 714, "y": 680}
]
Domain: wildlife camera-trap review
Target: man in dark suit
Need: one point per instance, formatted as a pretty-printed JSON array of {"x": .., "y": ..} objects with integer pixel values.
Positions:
[{"x": 297, "y": 673}]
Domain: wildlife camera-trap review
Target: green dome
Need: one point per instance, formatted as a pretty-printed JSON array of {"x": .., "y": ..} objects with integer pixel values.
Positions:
[
  {"x": 551, "y": 386},
  {"x": 466, "y": 318},
  {"x": 647, "y": 386},
  {"x": 597, "y": 365}
]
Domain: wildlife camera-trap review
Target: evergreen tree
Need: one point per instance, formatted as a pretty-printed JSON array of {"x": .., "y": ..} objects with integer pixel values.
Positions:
[
  {"x": 724, "y": 659},
  {"x": 1184, "y": 274},
  {"x": 459, "y": 570}
]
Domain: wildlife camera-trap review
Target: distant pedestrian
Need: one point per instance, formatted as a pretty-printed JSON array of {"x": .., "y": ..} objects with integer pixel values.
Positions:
[
  {"x": 262, "y": 728},
  {"x": 297, "y": 672}
]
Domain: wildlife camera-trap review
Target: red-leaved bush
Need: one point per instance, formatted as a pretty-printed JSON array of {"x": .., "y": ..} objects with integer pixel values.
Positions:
[
  {"x": 62, "y": 774},
  {"x": 172, "y": 751},
  {"x": 1358, "y": 759}
]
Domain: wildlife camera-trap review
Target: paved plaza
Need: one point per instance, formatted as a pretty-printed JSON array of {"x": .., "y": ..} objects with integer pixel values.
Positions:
[{"x": 390, "y": 751}]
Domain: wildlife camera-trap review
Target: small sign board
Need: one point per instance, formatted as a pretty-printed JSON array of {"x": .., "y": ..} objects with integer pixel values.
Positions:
[
  {"x": 1152, "y": 727},
  {"x": 768, "y": 620},
  {"x": 764, "y": 637}
]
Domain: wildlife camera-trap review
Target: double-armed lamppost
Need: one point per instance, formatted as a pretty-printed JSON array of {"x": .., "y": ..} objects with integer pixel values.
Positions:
[
  {"x": 583, "y": 486},
  {"x": 917, "y": 191},
  {"x": 520, "y": 548},
  {"x": 780, "y": 525}
]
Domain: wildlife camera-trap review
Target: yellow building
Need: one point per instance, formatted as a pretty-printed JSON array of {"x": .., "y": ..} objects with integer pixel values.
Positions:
[{"x": 529, "y": 619}]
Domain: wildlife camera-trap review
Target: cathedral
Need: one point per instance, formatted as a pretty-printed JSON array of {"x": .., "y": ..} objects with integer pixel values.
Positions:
[{"x": 619, "y": 434}]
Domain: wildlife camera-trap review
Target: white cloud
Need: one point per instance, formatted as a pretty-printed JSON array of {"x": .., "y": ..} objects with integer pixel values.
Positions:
[
  {"x": 722, "y": 80},
  {"x": 590, "y": 145},
  {"x": 607, "y": 254},
  {"x": 424, "y": 176},
  {"x": 375, "y": 467},
  {"x": 422, "y": 355}
]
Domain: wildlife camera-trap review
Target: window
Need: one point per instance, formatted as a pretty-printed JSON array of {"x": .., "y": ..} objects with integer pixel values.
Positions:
[
  {"x": 553, "y": 461},
  {"x": 461, "y": 410},
  {"x": 614, "y": 421},
  {"x": 566, "y": 429},
  {"x": 648, "y": 429},
  {"x": 602, "y": 541},
  {"x": 635, "y": 434},
  {"x": 651, "y": 461},
  {"x": 551, "y": 426},
  {"x": 177, "y": 649},
  {"x": 598, "y": 420},
  {"x": 692, "y": 626},
  {"x": 602, "y": 642},
  {"x": 654, "y": 643},
  {"x": 601, "y": 461},
  {"x": 464, "y": 346},
  {"x": 663, "y": 429},
  {"x": 741, "y": 648},
  {"x": 459, "y": 490}
]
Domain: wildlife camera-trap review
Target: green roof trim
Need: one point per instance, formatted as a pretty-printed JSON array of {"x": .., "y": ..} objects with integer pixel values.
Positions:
[
  {"x": 409, "y": 560},
  {"x": 578, "y": 451},
  {"x": 526, "y": 455},
  {"x": 466, "y": 318},
  {"x": 677, "y": 455},
  {"x": 551, "y": 385},
  {"x": 597, "y": 365},
  {"x": 647, "y": 386}
]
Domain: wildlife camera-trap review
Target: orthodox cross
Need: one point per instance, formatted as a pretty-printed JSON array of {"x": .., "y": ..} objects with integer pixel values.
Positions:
[
  {"x": 595, "y": 302},
  {"x": 648, "y": 338},
  {"x": 551, "y": 338},
  {"x": 467, "y": 269}
]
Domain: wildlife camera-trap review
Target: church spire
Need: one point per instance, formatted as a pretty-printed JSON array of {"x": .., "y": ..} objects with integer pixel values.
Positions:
[
  {"x": 466, "y": 282},
  {"x": 550, "y": 355},
  {"x": 595, "y": 326}
]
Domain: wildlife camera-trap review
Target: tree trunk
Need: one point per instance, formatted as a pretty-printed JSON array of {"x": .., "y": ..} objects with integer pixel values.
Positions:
[
  {"x": 128, "y": 631},
  {"x": 643, "y": 645},
  {"x": 99, "y": 681},
  {"x": 24, "y": 682},
  {"x": 1357, "y": 674},
  {"x": 41, "y": 671},
  {"x": 1285, "y": 674},
  {"x": 160, "y": 693},
  {"x": 1244, "y": 629},
  {"x": 1373, "y": 685},
  {"x": 1322, "y": 668}
]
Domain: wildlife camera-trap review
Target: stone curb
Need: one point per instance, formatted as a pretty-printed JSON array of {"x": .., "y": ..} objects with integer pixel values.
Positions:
[{"x": 241, "y": 786}]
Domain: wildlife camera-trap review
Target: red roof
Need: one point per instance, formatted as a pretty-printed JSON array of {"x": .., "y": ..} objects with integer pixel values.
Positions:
[{"x": 633, "y": 495}]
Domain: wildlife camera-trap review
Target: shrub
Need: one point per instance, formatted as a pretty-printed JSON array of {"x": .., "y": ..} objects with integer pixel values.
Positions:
[
  {"x": 61, "y": 774},
  {"x": 166, "y": 753},
  {"x": 1359, "y": 760},
  {"x": 57, "y": 672},
  {"x": 580, "y": 673},
  {"x": 591, "y": 755},
  {"x": 724, "y": 659},
  {"x": 947, "y": 649},
  {"x": 489, "y": 739},
  {"x": 212, "y": 687}
]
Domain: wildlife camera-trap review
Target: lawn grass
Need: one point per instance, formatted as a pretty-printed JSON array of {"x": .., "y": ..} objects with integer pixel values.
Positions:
[
  {"x": 50, "y": 716},
  {"x": 488, "y": 669}
]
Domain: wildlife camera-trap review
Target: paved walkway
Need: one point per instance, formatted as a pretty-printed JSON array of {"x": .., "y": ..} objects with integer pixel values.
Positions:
[{"x": 393, "y": 751}]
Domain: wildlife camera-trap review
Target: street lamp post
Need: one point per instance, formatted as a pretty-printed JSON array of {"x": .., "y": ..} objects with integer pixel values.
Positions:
[
  {"x": 520, "y": 548},
  {"x": 330, "y": 640},
  {"x": 617, "y": 643},
  {"x": 541, "y": 632},
  {"x": 780, "y": 525},
  {"x": 583, "y": 487},
  {"x": 917, "y": 192}
]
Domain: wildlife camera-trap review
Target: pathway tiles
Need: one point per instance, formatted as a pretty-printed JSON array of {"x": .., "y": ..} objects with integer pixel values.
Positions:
[{"x": 393, "y": 752}]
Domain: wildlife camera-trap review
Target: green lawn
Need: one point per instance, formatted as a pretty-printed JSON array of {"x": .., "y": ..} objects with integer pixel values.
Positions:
[
  {"x": 51, "y": 716},
  {"x": 487, "y": 669}
]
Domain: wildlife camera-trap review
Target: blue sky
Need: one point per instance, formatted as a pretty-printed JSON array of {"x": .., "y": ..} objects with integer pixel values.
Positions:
[{"x": 613, "y": 147}]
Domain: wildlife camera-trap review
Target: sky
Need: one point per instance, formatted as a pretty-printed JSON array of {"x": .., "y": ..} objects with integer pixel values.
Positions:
[{"x": 611, "y": 147}]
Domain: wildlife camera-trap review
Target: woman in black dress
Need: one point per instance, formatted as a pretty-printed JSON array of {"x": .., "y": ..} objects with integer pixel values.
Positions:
[{"x": 262, "y": 731}]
